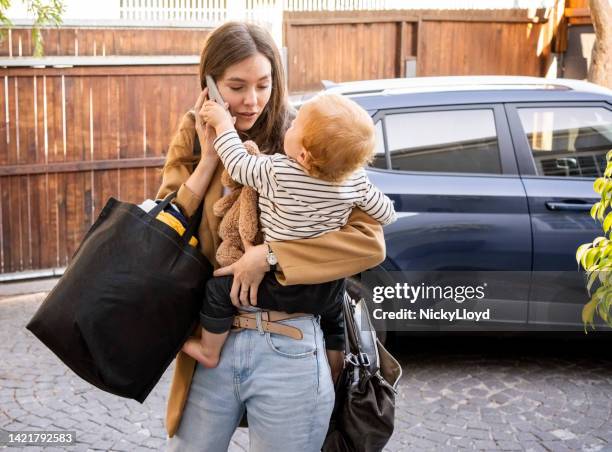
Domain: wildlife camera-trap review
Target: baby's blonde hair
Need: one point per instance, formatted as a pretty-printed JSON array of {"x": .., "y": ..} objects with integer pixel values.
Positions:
[{"x": 338, "y": 136}]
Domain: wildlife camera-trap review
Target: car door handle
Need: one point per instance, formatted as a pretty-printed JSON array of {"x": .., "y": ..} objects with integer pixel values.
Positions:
[{"x": 572, "y": 206}]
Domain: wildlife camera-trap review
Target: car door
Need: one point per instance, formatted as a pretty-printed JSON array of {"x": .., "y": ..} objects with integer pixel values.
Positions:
[
  {"x": 461, "y": 206},
  {"x": 561, "y": 149}
]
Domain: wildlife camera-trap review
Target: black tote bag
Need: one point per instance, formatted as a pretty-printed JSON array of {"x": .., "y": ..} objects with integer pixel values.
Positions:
[
  {"x": 364, "y": 411},
  {"x": 127, "y": 301}
]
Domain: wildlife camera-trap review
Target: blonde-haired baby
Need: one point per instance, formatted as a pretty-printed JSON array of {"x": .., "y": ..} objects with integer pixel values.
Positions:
[{"x": 306, "y": 193}]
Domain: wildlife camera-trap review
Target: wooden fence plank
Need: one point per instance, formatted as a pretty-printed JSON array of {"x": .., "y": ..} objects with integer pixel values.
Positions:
[
  {"x": 12, "y": 99},
  {"x": 52, "y": 220},
  {"x": 26, "y": 143},
  {"x": 113, "y": 41},
  {"x": 4, "y": 140},
  {"x": 66, "y": 229},
  {"x": 55, "y": 119},
  {"x": 5, "y": 232},
  {"x": 37, "y": 224},
  {"x": 9, "y": 231},
  {"x": 16, "y": 227}
]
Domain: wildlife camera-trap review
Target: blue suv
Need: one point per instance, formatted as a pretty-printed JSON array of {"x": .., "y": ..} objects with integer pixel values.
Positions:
[{"x": 492, "y": 174}]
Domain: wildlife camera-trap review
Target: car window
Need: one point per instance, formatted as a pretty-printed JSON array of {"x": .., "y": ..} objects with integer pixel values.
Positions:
[
  {"x": 379, "y": 160},
  {"x": 568, "y": 141},
  {"x": 457, "y": 141}
]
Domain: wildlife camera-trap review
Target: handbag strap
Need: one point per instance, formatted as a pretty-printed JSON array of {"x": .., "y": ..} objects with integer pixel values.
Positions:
[
  {"x": 353, "y": 350},
  {"x": 197, "y": 216},
  {"x": 162, "y": 205}
]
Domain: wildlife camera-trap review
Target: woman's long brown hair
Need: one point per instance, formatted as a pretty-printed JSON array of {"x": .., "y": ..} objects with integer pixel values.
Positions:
[{"x": 232, "y": 43}]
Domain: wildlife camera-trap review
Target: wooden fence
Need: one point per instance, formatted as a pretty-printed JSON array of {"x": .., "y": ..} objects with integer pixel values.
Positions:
[
  {"x": 75, "y": 137},
  {"x": 77, "y": 41},
  {"x": 72, "y": 137},
  {"x": 343, "y": 46}
]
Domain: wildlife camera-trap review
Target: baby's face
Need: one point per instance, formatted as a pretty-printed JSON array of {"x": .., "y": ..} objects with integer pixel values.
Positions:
[{"x": 294, "y": 138}]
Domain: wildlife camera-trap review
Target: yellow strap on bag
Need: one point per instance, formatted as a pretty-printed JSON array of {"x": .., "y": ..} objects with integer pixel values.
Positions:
[{"x": 175, "y": 224}]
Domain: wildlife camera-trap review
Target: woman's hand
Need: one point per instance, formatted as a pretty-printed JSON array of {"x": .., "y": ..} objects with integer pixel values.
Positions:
[
  {"x": 206, "y": 133},
  {"x": 248, "y": 272}
]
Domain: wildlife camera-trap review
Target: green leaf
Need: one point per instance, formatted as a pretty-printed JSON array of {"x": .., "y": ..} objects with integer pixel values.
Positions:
[
  {"x": 581, "y": 250},
  {"x": 594, "y": 210},
  {"x": 600, "y": 213},
  {"x": 607, "y": 222},
  {"x": 604, "y": 274},
  {"x": 590, "y": 258},
  {"x": 588, "y": 312},
  {"x": 592, "y": 279},
  {"x": 600, "y": 241}
]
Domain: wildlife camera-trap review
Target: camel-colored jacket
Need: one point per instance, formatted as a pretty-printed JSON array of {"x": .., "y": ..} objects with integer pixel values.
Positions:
[{"x": 356, "y": 247}]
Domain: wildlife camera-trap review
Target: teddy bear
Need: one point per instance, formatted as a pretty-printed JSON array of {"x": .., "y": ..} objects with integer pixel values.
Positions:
[{"x": 239, "y": 227}]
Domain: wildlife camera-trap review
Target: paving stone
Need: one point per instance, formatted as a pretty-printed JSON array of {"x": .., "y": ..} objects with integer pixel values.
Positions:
[
  {"x": 484, "y": 444},
  {"x": 451, "y": 430},
  {"x": 556, "y": 446},
  {"x": 508, "y": 445},
  {"x": 533, "y": 446},
  {"x": 478, "y": 434}
]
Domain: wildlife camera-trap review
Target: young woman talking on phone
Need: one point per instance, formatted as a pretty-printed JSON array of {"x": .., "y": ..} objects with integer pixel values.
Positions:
[{"x": 285, "y": 385}]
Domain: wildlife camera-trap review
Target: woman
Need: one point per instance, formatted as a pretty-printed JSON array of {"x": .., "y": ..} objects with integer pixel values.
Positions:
[{"x": 284, "y": 384}]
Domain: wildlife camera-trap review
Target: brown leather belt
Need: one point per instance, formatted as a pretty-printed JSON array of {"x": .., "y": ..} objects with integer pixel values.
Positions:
[{"x": 269, "y": 323}]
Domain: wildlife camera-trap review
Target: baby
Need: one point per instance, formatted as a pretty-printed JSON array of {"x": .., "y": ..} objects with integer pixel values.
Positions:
[{"x": 306, "y": 193}]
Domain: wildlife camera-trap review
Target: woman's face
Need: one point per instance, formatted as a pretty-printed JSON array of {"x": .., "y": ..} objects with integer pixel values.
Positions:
[{"x": 246, "y": 86}]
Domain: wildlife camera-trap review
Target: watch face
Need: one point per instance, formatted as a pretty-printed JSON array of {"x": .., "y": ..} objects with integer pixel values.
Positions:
[{"x": 272, "y": 259}]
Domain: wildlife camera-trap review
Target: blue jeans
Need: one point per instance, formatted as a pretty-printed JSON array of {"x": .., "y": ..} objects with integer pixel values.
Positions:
[{"x": 284, "y": 384}]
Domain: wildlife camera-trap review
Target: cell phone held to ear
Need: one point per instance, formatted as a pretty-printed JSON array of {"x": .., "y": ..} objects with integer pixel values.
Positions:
[{"x": 213, "y": 91}]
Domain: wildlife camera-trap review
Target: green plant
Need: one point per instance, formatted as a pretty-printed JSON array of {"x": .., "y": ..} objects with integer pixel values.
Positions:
[
  {"x": 596, "y": 257},
  {"x": 46, "y": 13}
]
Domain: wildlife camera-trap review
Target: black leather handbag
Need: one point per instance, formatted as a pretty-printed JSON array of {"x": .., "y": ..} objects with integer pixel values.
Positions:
[
  {"x": 127, "y": 301},
  {"x": 364, "y": 411}
]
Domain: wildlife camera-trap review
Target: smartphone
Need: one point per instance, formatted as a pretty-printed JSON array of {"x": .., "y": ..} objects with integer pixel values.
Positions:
[{"x": 213, "y": 91}]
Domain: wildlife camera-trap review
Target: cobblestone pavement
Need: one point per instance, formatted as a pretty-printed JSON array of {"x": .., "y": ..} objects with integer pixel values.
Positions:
[{"x": 484, "y": 394}]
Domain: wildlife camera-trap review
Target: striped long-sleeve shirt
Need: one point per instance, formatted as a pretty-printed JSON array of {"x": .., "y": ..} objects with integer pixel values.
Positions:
[{"x": 293, "y": 204}]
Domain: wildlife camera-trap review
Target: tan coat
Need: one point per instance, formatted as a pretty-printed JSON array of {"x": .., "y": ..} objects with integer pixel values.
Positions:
[{"x": 356, "y": 247}]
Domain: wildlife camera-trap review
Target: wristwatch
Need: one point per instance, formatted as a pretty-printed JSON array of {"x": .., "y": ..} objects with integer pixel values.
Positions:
[{"x": 271, "y": 258}]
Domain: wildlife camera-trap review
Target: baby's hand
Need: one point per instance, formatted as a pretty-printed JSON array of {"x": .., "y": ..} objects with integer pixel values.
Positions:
[{"x": 217, "y": 116}]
